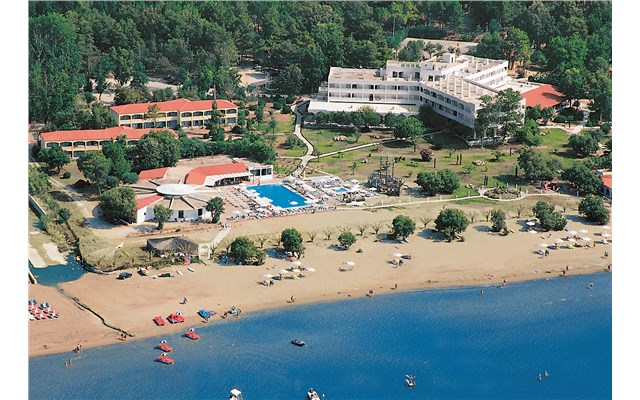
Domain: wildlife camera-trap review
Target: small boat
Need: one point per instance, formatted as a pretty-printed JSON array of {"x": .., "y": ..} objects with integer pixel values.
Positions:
[
  {"x": 179, "y": 272},
  {"x": 191, "y": 269},
  {"x": 164, "y": 347},
  {"x": 163, "y": 358},
  {"x": 191, "y": 334},
  {"x": 411, "y": 380},
  {"x": 175, "y": 318},
  {"x": 158, "y": 320},
  {"x": 298, "y": 342},
  {"x": 165, "y": 275},
  {"x": 312, "y": 395}
]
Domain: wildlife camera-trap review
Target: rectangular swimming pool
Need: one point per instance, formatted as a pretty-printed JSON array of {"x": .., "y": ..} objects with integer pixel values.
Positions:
[{"x": 280, "y": 195}]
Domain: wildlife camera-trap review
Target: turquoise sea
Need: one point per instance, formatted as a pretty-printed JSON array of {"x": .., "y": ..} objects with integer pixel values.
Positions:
[{"x": 457, "y": 343}]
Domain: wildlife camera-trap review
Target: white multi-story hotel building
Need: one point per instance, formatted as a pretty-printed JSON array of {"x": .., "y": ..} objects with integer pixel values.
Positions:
[{"x": 452, "y": 85}]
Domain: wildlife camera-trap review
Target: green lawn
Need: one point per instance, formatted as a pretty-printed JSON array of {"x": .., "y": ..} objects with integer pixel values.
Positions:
[
  {"x": 322, "y": 139},
  {"x": 282, "y": 151},
  {"x": 284, "y": 126}
]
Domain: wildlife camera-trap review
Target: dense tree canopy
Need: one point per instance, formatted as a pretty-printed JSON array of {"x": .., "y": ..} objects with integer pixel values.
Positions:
[
  {"x": 292, "y": 241},
  {"x": 156, "y": 149},
  {"x": 548, "y": 219},
  {"x": 118, "y": 204},
  {"x": 54, "y": 157},
  {"x": 244, "y": 251},
  {"x": 403, "y": 226},
  {"x": 594, "y": 210},
  {"x": 451, "y": 222}
]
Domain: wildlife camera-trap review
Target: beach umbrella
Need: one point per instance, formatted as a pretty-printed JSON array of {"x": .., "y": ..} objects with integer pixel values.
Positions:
[
  {"x": 296, "y": 262},
  {"x": 543, "y": 245},
  {"x": 283, "y": 271},
  {"x": 583, "y": 231},
  {"x": 350, "y": 263},
  {"x": 310, "y": 269},
  {"x": 237, "y": 212},
  {"x": 571, "y": 240},
  {"x": 605, "y": 227},
  {"x": 605, "y": 235},
  {"x": 268, "y": 276},
  {"x": 586, "y": 239},
  {"x": 604, "y": 241},
  {"x": 296, "y": 270},
  {"x": 559, "y": 240},
  {"x": 533, "y": 231},
  {"x": 572, "y": 232},
  {"x": 531, "y": 223},
  {"x": 397, "y": 254}
]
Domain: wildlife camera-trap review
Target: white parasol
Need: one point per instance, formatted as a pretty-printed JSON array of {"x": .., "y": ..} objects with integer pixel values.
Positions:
[
  {"x": 311, "y": 269},
  {"x": 296, "y": 262},
  {"x": 532, "y": 231},
  {"x": 605, "y": 227},
  {"x": 605, "y": 235},
  {"x": 583, "y": 231},
  {"x": 586, "y": 239},
  {"x": 237, "y": 212},
  {"x": 531, "y": 223},
  {"x": 543, "y": 245},
  {"x": 350, "y": 263},
  {"x": 572, "y": 232},
  {"x": 397, "y": 254},
  {"x": 268, "y": 276},
  {"x": 559, "y": 240},
  {"x": 296, "y": 270},
  {"x": 571, "y": 240},
  {"x": 284, "y": 271}
]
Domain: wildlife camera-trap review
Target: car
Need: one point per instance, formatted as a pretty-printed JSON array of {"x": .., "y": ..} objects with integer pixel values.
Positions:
[{"x": 124, "y": 275}]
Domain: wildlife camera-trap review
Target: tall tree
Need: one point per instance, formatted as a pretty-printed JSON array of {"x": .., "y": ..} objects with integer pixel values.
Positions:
[
  {"x": 161, "y": 214},
  {"x": 54, "y": 69},
  {"x": 216, "y": 207},
  {"x": 54, "y": 157},
  {"x": 409, "y": 128},
  {"x": 95, "y": 167}
]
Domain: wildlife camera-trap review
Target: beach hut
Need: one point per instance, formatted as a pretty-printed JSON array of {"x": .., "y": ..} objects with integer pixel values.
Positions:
[{"x": 171, "y": 245}]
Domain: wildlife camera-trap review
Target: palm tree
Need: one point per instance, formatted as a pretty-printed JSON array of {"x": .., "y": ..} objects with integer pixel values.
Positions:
[{"x": 216, "y": 207}]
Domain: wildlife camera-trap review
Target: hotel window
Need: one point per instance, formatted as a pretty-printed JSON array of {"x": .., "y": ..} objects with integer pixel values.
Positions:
[
  {"x": 180, "y": 213},
  {"x": 197, "y": 114},
  {"x": 125, "y": 117},
  {"x": 232, "y": 111},
  {"x": 208, "y": 112},
  {"x": 173, "y": 114},
  {"x": 137, "y": 116}
]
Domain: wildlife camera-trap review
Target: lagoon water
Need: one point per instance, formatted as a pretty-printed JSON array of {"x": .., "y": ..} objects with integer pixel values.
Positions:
[{"x": 458, "y": 344}]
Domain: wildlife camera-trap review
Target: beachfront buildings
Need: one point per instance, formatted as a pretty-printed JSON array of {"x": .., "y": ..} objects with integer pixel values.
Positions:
[
  {"x": 183, "y": 113},
  {"x": 186, "y": 191},
  {"x": 451, "y": 85},
  {"x": 75, "y": 143}
]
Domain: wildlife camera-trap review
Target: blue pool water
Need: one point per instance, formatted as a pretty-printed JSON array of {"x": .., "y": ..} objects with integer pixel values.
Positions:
[
  {"x": 280, "y": 195},
  {"x": 340, "y": 190},
  {"x": 458, "y": 344},
  {"x": 54, "y": 274}
]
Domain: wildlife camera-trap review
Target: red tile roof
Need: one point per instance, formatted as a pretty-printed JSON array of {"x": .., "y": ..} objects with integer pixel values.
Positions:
[
  {"x": 172, "y": 105},
  {"x": 198, "y": 175},
  {"x": 544, "y": 96},
  {"x": 607, "y": 181},
  {"x": 146, "y": 201},
  {"x": 100, "y": 134},
  {"x": 156, "y": 173}
]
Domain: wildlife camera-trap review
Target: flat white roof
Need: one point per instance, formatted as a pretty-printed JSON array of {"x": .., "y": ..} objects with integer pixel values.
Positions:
[{"x": 316, "y": 106}]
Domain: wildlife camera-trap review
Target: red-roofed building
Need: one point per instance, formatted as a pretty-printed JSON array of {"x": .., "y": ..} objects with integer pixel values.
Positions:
[
  {"x": 544, "y": 96},
  {"x": 75, "y": 143},
  {"x": 607, "y": 183},
  {"x": 214, "y": 175},
  {"x": 157, "y": 173},
  {"x": 174, "y": 113}
]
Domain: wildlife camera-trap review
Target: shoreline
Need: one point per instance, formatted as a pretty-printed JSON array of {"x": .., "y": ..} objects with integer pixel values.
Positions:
[
  {"x": 113, "y": 338},
  {"x": 483, "y": 259}
]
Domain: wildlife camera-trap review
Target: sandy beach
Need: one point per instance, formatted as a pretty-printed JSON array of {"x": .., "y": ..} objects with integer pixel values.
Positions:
[{"x": 483, "y": 259}]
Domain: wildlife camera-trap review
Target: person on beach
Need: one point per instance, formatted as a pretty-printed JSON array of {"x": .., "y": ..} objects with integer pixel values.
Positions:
[
  {"x": 590, "y": 285},
  {"x": 396, "y": 286},
  {"x": 482, "y": 293},
  {"x": 539, "y": 377},
  {"x": 370, "y": 292},
  {"x": 184, "y": 301},
  {"x": 293, "y": 299},
  {"x": 606, "y": 254}
]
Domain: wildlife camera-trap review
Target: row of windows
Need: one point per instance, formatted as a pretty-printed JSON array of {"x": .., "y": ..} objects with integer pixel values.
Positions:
[
  {"x": 175, "y": 114},
  {"x": 87, "y": 143}
]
